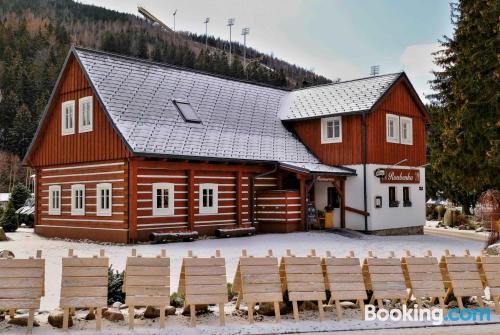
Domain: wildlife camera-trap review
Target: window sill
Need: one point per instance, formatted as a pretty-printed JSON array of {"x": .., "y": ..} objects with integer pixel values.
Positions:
[
  {"x": 407, "y": 204},
  {"x": 394, "y": 204}
]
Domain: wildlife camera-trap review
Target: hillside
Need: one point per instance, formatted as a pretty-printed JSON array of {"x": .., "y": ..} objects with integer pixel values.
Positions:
[{"x": 35, "y": 36}]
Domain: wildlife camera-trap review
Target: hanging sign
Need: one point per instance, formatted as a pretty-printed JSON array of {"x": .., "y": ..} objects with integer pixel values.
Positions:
[{"x": 398, "y": 176}]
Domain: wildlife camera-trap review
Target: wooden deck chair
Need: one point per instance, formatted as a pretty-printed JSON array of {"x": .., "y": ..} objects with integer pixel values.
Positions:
[
  {"x": 147, "y": 283},
  {"x": 384, "y": 276},
  {"x": 22, "y": 285},
  {"x": 423, "y": 277},
  {"x": 489, "y": 268},
  {"x": 203, "y": 281},
  {"x": 303, "y": 278},
  {"x": 461, "y": 277},
  {"x": 344, "y": 279},
  {"x": 257, "y": 279},
  {"x": 84, "y": 284}
]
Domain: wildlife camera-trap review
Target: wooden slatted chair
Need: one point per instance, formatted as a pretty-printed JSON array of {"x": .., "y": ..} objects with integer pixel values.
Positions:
[
  {"x": 461, "y": 277},
  {"x": 147, "y": 283},
  {"x": 344, "y": 279},
  {"x": 489, "y": 268},
  {"x": 384, "y": 276},
  {"x": 423, "y": 277},
  {"x": 257, "y": 279},
  {"x": 203, "y": 281},
  {"x": 84, "y": 284},
  {"x": 303, "y": 278},
  {"x": 22, "y": 285}
]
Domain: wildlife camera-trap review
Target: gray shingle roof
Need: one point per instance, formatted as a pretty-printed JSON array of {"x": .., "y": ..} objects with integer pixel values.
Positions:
[
  {"x": 239, "y": 120},
  {"x": 338, "y": 98}
]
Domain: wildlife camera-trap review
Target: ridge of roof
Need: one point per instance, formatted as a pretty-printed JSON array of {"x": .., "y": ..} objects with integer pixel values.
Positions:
[
  {"x": 350, "y": 80},
  {"x": 177, "y": 67}
]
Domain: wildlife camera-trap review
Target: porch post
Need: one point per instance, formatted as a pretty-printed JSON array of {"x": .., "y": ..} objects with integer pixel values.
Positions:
[
  {"x": 191, "y": 199},
  {"x": 302, "y": 199},
  {"x": 342, "y": 203}
]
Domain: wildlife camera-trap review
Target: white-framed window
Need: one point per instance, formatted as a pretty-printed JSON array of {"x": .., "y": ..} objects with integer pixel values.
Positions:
[
  {"x": 163, "y": 199},
  {"x": 78, "y": 199},
  {"x": 331, "y": 129},
  {"x": 392, "y": 128},
  {"x": 55, "y": 200},
  {"x": 104, "y": 199},
  {"x": 209, "y": 198},
  {"x": 68, "y": 117},
  {"x": 406, "y": 125},
  {"x": 85, "y": 114}
]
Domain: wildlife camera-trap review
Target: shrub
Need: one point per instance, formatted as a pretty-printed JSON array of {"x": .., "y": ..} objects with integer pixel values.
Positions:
[
  {"x": 440, "y": 211},
  {"x": 115, "y": 285},
  {"x": 8, "y": 220},
  {"x": 177, "y": 300},
  {"x": 461, "y": 219},
  {"x": 19, "y": 195},
  {"x": 230, "y": 292}
]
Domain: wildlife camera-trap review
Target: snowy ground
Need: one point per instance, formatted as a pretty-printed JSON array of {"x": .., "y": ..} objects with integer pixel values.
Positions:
[{"x": 24, "y": 243}]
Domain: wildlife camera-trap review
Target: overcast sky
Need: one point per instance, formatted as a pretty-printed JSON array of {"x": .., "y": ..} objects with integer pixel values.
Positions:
[{"x": 335, "y": 38}]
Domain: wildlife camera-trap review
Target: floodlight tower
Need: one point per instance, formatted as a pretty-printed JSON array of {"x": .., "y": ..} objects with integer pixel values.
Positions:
[
  {"x": 245, "y": 32},
  {"x": 175, "y": 12},
  {"x": 230, "y": 23},
  {"x": 206, "y": 32}
]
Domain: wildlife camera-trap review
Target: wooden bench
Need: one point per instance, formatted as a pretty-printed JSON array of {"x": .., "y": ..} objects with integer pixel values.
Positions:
[
  {"x": 257, "y": 279},
  {"x": 84, "y": 284},
  {"x": 22, "y": 285},
  {"x": 461, "y": 277},
  {"x": 489, "y": 269},
  {"x": 423, "y": 277},
  {"x": 203, "y": 281},
  {"x": 147, "y": 283},
  {"x": 384, "y": 276},
  {"x": 303, "y": 278},
  {"x": 344, "y": 279}
]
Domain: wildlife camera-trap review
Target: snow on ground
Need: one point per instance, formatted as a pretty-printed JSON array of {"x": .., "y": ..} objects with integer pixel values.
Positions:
[{"x": 24, "y": 243}]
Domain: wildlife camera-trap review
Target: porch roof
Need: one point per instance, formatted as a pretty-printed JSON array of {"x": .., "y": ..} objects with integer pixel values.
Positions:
[{"x": 318, "y": 169}]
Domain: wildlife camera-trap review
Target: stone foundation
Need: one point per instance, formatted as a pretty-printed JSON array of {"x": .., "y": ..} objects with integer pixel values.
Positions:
[{"x": 416, "y": 230}]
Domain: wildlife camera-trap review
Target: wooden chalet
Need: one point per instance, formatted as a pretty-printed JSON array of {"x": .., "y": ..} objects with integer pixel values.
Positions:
[{"x": 127, "y": 147}]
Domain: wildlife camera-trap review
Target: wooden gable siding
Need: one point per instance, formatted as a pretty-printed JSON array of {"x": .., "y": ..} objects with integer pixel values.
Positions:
[
  {"x": 347, "y": 152},
  {"x": 400, "y": 102},
  {"x": 102, "y": 143},
  {"x": 112, "y": 228}
]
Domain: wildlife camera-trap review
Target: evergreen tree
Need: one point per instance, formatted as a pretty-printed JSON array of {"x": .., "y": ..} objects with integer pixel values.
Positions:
[
  {"x": 465, "y": 144},
  {"x": 21, "y": 132},
  {"x": 19, "y": 195},
  {"x": 8, "y": 220}
]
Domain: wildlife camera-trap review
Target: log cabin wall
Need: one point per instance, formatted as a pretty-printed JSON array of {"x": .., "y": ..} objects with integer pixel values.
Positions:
[
  {"x": 279, "y": 211},
  {"x": 113, "y": 228},
  {"x": 233, "y": 183},
  {"x": 102, "y": 143}
]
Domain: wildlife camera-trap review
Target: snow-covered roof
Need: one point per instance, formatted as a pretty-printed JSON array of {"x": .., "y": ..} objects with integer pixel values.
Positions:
[
  {"x": 4, "y": 197},
  {"x": 320, "y": 168}
]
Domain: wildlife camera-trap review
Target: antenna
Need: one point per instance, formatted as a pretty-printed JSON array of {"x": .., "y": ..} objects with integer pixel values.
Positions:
[
  {"x": 375, "y": 70},
  {"x": 245, "y": 32},
  {"x": 206, "y": 32},
  {"x": 230, "y": 23}
]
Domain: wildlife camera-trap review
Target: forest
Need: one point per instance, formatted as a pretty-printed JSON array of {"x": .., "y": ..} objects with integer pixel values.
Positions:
[{"x": 36, "y": 35}]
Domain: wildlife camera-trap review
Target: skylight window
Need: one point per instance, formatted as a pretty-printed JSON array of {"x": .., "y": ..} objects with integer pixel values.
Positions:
[{"x": 187, "y": 111}]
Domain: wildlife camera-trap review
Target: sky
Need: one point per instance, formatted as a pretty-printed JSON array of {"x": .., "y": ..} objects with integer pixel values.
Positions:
[{"x": 335, "y": 38}]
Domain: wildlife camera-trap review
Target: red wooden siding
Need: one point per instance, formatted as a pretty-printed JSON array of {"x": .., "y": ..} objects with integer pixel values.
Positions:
[
  {"x": 278, "y": 211},
  {"x": 400, "y": 102},
  {"x": 102, "y": 228},
  {"x": 225, "y": 176},
  {"x": 103, "y": 143}
]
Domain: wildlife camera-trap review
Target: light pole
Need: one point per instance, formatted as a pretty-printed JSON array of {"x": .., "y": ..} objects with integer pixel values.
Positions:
[
  {"x": 175, "y": 12},
  {"x": 245, "y": 32},
  {"x": 206, "y": 32},
  {"x": 230, "y": 23}
]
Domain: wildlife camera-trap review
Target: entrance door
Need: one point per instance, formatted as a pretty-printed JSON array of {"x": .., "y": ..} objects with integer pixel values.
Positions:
[{"x": 333, "y": 198}]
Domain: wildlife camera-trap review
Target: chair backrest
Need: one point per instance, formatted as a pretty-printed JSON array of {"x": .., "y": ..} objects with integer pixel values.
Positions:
[
  {"x": 491, "y": 270},
  {"x": 258, "y": 278},
  {"x": 84, "y": 281},
  {"x": 343, "y": 277},
  {"x": 303, "y": 277},
  {"x": 423, "y": 275},
  {"x": 203, "y": 279},
  {"x": 147, "y": 280},
  {"x": 385, "y": 277},
  {"x": 21, "y": 282},
  {"x": 462, "y": 274}
]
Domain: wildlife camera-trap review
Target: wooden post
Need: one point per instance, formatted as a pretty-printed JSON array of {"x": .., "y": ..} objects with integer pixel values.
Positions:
[
  {"x": 191, "y": 199},
  {"x": 239, "y": 198},
  {"x": 132, "y": 202},
  {"x": 342, "y": 203},
  {"x": 302, "y": 200}
]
